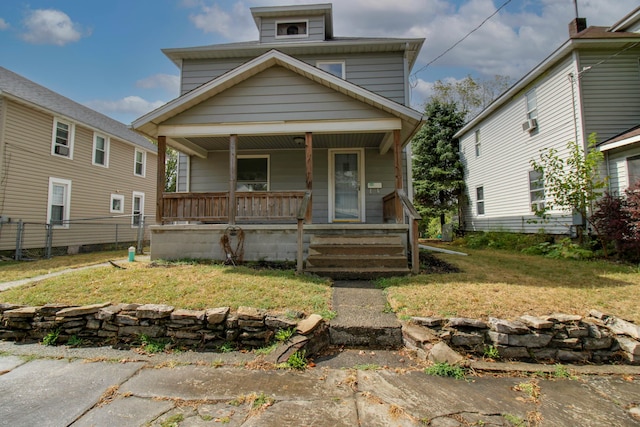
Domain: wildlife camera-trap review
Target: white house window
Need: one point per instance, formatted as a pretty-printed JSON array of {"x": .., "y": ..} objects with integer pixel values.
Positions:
[
  {"x": 633, "y": 167},
  {"x": 140, "y": 163},
  {"x": 117, "y": 203},
  {"x": 480, "y": 200},
  {"x": 477, "y": 136},
  {"x": 292, "y": 29},
  {"x": 58, "y": 206},
  {"x": 253, "y": 173},
  {"x": 532, "y": 104},
  {"x": 137, "y": 209},
  {"x": 100, "y": 150},
  {"x": 62, "y": 142},
  {"x": 336, "y": 68},
  {"x": 536, "y": 190}
]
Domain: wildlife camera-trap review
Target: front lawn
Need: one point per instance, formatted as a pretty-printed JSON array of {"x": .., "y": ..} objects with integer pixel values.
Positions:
[
  {"x": 17, "y": 270},
  {"x": 507, "y": 284},
  {"x": 183, "y": 285}
]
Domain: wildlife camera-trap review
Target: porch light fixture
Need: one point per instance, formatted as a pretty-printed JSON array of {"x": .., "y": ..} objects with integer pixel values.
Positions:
[{"x": 298, "y": 140}]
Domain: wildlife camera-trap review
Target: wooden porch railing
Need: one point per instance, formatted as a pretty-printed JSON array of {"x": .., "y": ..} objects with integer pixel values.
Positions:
[
  {"x": 389, "y": 214},
  {"x": 250, "y": 206}
]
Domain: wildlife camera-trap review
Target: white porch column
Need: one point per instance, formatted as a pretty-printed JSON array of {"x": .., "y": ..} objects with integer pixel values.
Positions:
[
  {"x": 308, "y": 149},
  {"x": 397, "y": 161},
  {"x": 161, "y": 178}
]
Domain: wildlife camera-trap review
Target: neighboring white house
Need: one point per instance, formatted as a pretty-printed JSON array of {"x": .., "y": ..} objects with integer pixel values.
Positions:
[{"x": 590, "y": 84}]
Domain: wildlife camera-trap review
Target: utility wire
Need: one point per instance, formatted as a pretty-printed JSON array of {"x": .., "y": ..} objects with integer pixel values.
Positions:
[{"x": 462, "y": 39}]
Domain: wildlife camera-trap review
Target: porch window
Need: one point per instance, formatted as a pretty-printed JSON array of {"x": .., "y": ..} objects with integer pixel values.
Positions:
[
  {"x": 334, "y": 67},
  {"x": 480, "y": 200},
  {"x": 100, "y": 150},
  {"x": 633, "y": 166},
  {"x": 59, "y": 202},
  {"x": 536, "y": 190},
  {"x": 253, "y": 173},
  {"x": 62, "y": 143}
]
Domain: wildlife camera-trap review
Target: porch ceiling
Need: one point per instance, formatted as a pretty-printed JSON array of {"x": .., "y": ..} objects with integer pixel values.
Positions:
[{"x": 283, "y": 142}]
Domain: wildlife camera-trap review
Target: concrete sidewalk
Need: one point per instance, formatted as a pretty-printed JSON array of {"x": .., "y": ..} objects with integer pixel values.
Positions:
[{"x": 107, "y": 387}]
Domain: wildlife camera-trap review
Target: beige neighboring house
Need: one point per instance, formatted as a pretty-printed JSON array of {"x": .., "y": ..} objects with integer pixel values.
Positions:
[{"x": 70, "y": 167}]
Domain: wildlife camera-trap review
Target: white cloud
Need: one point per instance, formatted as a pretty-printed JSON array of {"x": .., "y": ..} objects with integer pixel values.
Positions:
[
  {"x": 50, "y": 26},
  {"x": 4, "y": 25},
  {"x": 167, "y": 82},
  {"x": 235, "y": 25},
  {"x": 130, "y": 105}
]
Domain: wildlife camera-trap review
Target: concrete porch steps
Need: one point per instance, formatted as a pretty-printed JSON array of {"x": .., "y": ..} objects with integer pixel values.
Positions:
[
  {"x": 357, "y": 256},
  {"x": 362, "y": 319}
]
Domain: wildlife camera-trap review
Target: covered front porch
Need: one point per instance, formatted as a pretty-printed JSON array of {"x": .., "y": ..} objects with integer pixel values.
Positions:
[{"x": 279, "y": 151}]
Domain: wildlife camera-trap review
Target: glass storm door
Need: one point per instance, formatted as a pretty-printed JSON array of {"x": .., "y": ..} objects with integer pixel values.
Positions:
[{"x": 346, "y": 187}]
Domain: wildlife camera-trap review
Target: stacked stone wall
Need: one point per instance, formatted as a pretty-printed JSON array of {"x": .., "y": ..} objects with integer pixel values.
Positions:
[
  {"x": 596, "y": 338},
  {"x": 211, "y": 328}
]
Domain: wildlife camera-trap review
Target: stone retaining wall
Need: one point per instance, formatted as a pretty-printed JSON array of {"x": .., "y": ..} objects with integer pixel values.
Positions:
[
  {"x": 596, "y": 338},
  {"x": 211, "y": 328}
]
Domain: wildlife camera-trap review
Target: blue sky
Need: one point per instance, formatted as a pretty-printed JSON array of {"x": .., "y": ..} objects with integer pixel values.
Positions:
[{"x": 106, "y": 53}]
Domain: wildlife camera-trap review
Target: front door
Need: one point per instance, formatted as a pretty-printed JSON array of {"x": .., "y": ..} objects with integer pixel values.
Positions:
[{"x": 345, "y": 181}]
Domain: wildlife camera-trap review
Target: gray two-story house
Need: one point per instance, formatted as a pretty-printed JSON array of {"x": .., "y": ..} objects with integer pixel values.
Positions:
[{"x": 293, "y": 147}]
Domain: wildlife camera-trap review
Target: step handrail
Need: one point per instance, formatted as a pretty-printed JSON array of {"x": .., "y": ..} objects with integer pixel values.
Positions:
[{"x": 414, "y": 219}]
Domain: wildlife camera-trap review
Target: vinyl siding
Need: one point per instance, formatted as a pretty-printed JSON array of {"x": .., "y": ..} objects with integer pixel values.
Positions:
[
  {"x": 381, "y": 74},
  {"x": 30, "y": 164},
  {"x": 273, "y": 95},
  {"x": 315, "y": 29},
  {"x": 610, "y": 90},
  {"x": 182, "y": 180},
  {"x": 506, "y": 151},
  {"x": 617, "y": 168},
  {"x": 287, "y": 169}
]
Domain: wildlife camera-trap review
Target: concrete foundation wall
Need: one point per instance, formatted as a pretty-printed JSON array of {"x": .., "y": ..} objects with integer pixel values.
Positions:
[{"x": 261, "y": 242}]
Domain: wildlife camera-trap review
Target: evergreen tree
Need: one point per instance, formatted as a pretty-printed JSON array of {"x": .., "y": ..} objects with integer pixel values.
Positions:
[{"x": 437, "y": 169}]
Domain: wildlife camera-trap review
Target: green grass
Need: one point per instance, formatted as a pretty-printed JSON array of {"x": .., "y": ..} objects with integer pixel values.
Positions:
[
  {"x": 506, "y": 284},
  {"x": 17, "y": 270},
  {"x": 183, "y": 285},
  {"x": 445, "y": 370}
]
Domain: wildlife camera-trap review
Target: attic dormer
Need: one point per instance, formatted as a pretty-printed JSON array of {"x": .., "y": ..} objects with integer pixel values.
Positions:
[{"x": 300, "y": 23}]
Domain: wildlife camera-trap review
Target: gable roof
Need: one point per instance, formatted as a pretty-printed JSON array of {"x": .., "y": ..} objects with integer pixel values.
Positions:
[
  {"x": 23, "y": 90},
  {"x": 148, "y": 124},
  {"x": 591, "y": 37}
]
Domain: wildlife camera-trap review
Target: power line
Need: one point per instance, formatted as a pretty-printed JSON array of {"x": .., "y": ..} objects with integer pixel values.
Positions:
[{"x": 462, "y": 39}]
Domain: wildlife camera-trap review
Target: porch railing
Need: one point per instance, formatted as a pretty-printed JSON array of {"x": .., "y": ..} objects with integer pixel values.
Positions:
[
  {"x": 214, "y": 206},
  {"x": 389, "y": 203}
]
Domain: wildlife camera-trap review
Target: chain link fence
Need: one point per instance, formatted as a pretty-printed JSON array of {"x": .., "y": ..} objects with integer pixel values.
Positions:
[{"x": 22, "y": 240}]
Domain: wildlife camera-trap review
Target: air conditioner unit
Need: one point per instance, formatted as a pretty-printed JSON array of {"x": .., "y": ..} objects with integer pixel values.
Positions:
[
  {"x": 62, "y": 150},
  {"x": 529, "y": 125}
]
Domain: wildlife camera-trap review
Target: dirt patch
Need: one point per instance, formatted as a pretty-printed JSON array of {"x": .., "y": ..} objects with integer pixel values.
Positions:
[{"x": 430, "y": 264}]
